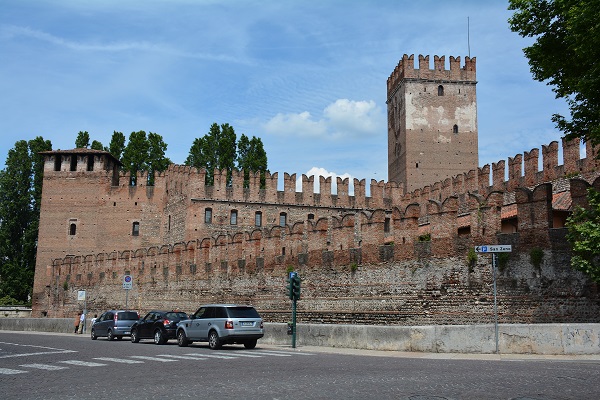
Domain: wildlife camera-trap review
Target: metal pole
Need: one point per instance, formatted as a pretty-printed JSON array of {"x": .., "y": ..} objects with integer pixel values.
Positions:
[
  {"x": 126, "y": 298},
  {"x": 294, "y": 324},
  {"x": 494, "y": 263}
]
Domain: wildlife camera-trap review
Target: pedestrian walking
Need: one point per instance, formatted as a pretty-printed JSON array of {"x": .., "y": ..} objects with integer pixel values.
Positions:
[
  {"x": 77, "y": 321},
  {"x": 94, "y": 319}
]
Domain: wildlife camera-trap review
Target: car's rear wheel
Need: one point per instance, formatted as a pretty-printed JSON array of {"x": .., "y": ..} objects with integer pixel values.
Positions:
[
  {"x": 250, "y": 344},
  {"x": 159, "y": 338},
  {"x": 110, "y": 335},
  {"x": 134, "y": 336},
  {"x": 213, "y": 340},
  {"x": 93, "y": 334},
  {"x": 182, "y": 339}
]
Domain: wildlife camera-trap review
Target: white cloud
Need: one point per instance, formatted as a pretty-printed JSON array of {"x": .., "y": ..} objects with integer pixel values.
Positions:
[
  {"x": 317, "y": 172},
  {"x": 300, "y": 124}
]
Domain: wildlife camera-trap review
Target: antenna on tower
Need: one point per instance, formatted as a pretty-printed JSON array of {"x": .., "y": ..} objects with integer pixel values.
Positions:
[{"x": 468, "y": 37}]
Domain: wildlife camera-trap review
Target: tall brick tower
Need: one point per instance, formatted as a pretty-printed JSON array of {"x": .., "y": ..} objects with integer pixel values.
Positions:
[{"x": 432, "y": 121}]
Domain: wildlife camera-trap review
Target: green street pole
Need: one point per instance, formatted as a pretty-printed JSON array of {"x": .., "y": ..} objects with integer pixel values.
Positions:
[{"x": 294, "y": 323}]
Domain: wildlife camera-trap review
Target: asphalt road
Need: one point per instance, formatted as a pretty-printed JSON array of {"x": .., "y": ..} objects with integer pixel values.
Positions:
[{"x": 61, "y": 366}]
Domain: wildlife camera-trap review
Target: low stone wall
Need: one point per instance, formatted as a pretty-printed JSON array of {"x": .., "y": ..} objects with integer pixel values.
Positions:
[
  {"x": 15, "y": 312},
  {"x": 567, "y": 339}
]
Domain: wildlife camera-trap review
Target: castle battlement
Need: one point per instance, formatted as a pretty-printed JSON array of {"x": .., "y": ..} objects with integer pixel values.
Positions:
[{"x": 406, "y": 70}]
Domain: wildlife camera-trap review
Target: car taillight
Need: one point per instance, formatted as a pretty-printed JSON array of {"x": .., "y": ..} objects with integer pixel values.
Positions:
[
  {"x": 229, "y": 325},
  {"x": 166, "y": 322},
  {"x": 261, "y": 324},
  {"x": 116, "y": 317}
]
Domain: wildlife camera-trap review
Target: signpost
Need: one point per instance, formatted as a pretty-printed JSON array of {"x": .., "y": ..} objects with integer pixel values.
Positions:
[
  {"x": 294, "y": 295},
  {"x": 127, "y": 285},
  {"x": 494, "y": 249}
]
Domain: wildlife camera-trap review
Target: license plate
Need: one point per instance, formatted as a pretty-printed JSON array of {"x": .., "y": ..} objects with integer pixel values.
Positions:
[
  {"x": 246, "y": 323},
  {"x": 126, "y": 333}
]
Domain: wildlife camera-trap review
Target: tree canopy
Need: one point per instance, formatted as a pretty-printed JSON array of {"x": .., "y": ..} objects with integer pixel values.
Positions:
[
  {"x": 565, "y": 54},
  {"x": 20, "y": 198},
  {"x": 144, "y": 153},
  {"x": 219, "y": 149},
  {"x": 584, "y": 235}
]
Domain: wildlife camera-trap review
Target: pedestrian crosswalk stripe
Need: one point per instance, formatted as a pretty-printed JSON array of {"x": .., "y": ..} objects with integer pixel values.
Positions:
[
  {"x": 181, "y": 357},
  {"x": 8, "y": 371},
  {"x": 46, "y": 367},
  {"x": 266, "y": 353},
  {"x": 119, "y": 360},
  {"x": 210, "y": 356},
  {"x": 82, "y": 363},
  {"x": 239, "y": 354},
  {"x": 153, "y": 358},
  {"x": 290, "y": 353}
]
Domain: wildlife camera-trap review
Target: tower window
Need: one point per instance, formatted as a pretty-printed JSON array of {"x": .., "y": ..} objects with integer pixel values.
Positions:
[
  {"x": 258, "y": 218},
  {"x": 233, "y": 217},
  {"x": 440, "y": 90},
  {"x": 282, "y": 219},
  {"x": 455, "y": 129},
  {"x": 135, "y": 229},
  {"x": 208, "y": 216},
  {"x": 90, "y": 163},
  {"x": 386, "y": 225},
  {"x": 72, "y": 229},
  {"x": 311, "y": 217},
  {"x": 73, "y": 162},
  {"x": 57, "y": 162}
]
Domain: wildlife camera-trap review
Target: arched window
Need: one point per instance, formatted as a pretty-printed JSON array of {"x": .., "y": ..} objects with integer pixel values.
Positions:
[
  {"x": 72, "y": 229},
  {"x": 135, "y": 229},
  {"x": 440, "y": 90},
  {"x": 455, "y": 129}
]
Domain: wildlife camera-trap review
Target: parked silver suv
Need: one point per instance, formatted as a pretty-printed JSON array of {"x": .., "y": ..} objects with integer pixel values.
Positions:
[
  {"x": 114, "y": 324},
  {"x": 220, "y": 324}
]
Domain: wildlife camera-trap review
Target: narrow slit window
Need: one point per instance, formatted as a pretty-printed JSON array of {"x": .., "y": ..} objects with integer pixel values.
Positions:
[
  {"x": 208, "y": 216},
  {"x": 135, "y": 230},
  {"x": 282, "y": 219},
  {"x": 73, "y": 162},
  {"x": 233, "y": 218},
  {"x": 258, "y": 218},
  {"x": 455, "y": 129},
  {"x": 72, "y": 229},
  {"x": 90, "y": 163},
  {"x": 440, "y": 90},
  {"x": 57, "y": 162}
]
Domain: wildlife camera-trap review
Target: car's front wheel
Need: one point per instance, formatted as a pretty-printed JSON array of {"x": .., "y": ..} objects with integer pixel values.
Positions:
[
  {"x": 250, "y": 344},
  {"x": 213, "y": 340},
  {"x": 182, "y": 339},
  {"x": 134, "y": 336},
  {"x": 93, "y": 334},
  {"x": 110, "y": 335},
  {"x": 159, "y": 338}
]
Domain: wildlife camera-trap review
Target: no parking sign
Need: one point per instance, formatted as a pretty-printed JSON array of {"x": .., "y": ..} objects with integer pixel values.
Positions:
[{"x": 127, "y": 282}]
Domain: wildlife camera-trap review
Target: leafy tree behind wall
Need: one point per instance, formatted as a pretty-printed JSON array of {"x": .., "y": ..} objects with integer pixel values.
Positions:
[
  {"x": 83, "y": 140},
  {"x": 565, "y": 54},
  {"x": 584, "y": 235},
  {"x": 220, "y": 149},
  {"x": 20, "y": 196},
  {"x": 144, "y": 153}
]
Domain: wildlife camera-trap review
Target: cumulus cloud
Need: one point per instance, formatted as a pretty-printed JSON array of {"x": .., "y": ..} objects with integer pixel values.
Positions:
[
  {"x": 342, "y": 119},
  {"x": 318, "y": 171}
]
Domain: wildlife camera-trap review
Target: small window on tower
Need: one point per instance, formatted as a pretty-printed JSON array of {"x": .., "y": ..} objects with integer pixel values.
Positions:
[
  {"x": 57, "y": 162},
  {"x": 135, "y": 230},
  {"x": 208, "y": 216},
  {"x": 73, "y": 162},
  {"x": 258, "y": 218},
  {"x": 440, "y": 90},
  {"x": 72, "y": 229},
  {"x": 455, "y": 129},
  {"x": 282, "y": 219},
  {"x": 233, "y": 218}
]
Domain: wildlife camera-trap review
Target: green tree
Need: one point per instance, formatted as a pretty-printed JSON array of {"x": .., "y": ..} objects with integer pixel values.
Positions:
[
  {"x": 565, "y": 54},
  {"x": 135, "y": 155},
  {"x": 251, "y": 157},
  {"x": 584, "y": 235},
  {"x": 216, "y": 149},
  {"x": 156, "y": 156},
  {"x": 20, "y": 196},
  {"x": 96, "y": 145},
  {"x": 117, "y": 145},
  {"x": 83, "y": 140}
]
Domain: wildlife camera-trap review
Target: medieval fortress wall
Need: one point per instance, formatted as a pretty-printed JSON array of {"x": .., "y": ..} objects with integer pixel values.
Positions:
[{"x": 395, "y": 256}]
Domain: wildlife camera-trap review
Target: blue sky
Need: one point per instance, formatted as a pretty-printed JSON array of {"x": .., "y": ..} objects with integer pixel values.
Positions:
[{"x": 307, "y": 77}]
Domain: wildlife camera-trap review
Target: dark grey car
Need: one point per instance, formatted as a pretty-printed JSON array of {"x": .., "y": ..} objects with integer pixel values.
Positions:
[
  {"x": 114, "y": 324},
  {"x": 220, "y": 324}
]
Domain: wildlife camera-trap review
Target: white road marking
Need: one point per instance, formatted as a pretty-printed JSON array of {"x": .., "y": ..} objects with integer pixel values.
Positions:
[
  {"x": 53, "y": 350},
  {"x": 119, "y": 360},
  {"x": 182, "y": 357},
  {"x": 8, "y": 371},
  {"x": 267, "y": 353},
  {"x": 153, "y": 358},
  {"x": 238, "y": 354},
  {"x": 46, "y": 367},
  {"x": 211, "y": 356},
  {"x": 82, "y": 363},
  {"x": 290, "y": 353}
]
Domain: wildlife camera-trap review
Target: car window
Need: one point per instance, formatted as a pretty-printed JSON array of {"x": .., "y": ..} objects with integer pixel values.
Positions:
[
  {"x": 242, "y": 312},
  {"x": 109, "y": 316},
  {"x": 203, "y": 312},
  {"x": 128, "y": 315},
  {"x": 220, "y": 312},
  {"x": 148, "y": 317},
  {"x": 176, "y": 315}
]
